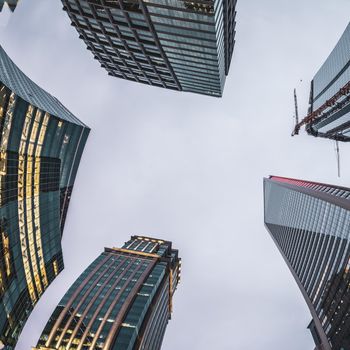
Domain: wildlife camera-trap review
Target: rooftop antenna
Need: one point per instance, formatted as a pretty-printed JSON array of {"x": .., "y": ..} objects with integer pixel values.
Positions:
[{"x": 337, "y": 152}]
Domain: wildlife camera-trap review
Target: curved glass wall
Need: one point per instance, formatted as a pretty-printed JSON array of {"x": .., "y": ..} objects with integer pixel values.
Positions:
[
  {"x": 310, "y": 224},
  {"x": 41, "y": 144}
]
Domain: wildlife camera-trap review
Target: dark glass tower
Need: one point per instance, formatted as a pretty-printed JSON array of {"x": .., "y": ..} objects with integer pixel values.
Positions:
[
  {"x": 123, "y": 300},
  {"x": 180, "y": 45},
  {"x": 329, "y": 113},
  {"x": 310, "y": 224},
  {"x": 11, "y": 4},
  {"x": 41, "y": 144}
]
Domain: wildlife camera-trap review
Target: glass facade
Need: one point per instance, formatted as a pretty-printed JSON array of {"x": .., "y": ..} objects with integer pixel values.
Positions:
[
  {"x": 180, "y": 45},
  {"x": 10, "y": 3},
  {"x": 310, "y": 224},
  {"x": 331, "y": 83},
  {"x": 41, "y": 144},
  {"x": 123, "y": 300}
]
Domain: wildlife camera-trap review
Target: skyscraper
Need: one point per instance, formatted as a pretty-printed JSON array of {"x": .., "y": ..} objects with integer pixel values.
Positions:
[
  {"x": 10, "y": 3},
  {"x": 180, "y": 45},
  {"x": 310, "y": 224},
  {"x": 41, "y": 144},
  {"x": 123, "y": 300},
  {"x": 329, "y": 112}
]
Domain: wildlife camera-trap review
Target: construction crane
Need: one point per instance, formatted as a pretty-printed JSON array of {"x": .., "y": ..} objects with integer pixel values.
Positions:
[
  {"x": 345, "y": 90},
  {"x": 296, "y": 107},
  {"x": 337, "y": 154}
]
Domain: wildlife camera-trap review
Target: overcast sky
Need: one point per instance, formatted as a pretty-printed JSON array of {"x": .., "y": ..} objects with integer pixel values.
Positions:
[{"x": 189, "y": 168}]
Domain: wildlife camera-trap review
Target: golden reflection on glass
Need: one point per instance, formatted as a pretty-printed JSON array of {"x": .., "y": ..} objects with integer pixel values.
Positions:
[
  {"x": 21, "y": 205},
  {"x": 2, "y": 287},
  {"x": 36, "y": 195},
  {"x": 6, "y": 258},
  {"x": 3, "y": 95},
  {"x": 3, "y": 171},
  {"x": 55, "y": 267},
  {"x": 4, "y": 141},
  {"x": 29, "y": 198},
  {"x": 6, "y": 248},
  {"x": 8, "y": 122},
  {"x": 29, "y": 203}
]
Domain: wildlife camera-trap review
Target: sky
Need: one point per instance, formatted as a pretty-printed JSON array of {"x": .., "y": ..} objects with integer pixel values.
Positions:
[{"x": 189, "y": 168}]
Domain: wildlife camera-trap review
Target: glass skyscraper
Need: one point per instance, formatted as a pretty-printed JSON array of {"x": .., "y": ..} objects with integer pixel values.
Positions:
[
  {"x": 330, "y": 94},
  {"x": 123, "y": 300},
  {"x": 41, "y": 144},
  {"x": 10, "y": 3},
  {"x": 310, "y": 224},
  {"x": 180, "y": 45}
]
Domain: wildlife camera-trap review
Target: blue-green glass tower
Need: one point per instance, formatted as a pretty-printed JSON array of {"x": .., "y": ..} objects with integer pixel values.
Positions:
[
  {"x": 310, "y": 224},
  {"x": 180, "y": 45},
  {"x": 41, "y": 144},
  {"x": 122, "y": 301}
]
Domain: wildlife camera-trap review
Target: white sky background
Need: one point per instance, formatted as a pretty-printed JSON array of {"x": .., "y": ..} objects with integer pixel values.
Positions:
[{"x": 189, "y": 168}]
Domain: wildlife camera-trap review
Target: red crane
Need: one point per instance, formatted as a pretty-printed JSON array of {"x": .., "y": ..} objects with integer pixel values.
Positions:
[{"x": 345, "y": 90}]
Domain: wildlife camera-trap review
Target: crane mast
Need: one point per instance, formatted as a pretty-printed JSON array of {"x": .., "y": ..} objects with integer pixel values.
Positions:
[{"x": 296, "y": 107}]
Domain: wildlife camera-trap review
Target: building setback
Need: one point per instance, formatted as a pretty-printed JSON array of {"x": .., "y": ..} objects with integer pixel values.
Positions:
[
  {"x": 41, "y": 144},
  {"x": 329, "y": 112},
  {"x": 123, "y": 300},
  {"x": 180, "y": 45},
  {"x": 310, "y": 224}
]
